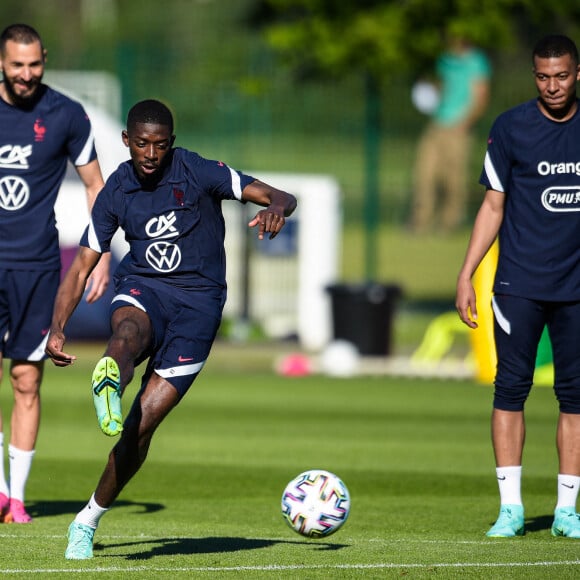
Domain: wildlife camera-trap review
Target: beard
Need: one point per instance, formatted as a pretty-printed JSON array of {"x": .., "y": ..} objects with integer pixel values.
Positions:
[{"x": 23, "y": 101}]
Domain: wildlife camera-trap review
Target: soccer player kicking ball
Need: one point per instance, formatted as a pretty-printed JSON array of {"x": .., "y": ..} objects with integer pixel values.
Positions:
[{"x": 170, "y": 288}]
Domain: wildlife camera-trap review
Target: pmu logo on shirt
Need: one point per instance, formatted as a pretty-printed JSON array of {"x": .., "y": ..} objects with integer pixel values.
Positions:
[{"x": 561, "y": 199}]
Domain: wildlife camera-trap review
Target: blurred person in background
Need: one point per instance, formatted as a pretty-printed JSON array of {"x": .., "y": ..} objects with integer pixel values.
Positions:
[
  {"x": 462, "y": 89},
  {"x": 532, "y": 203},
  {"x": 40, "y": 131},
  {"x": 170, "y": 288}
]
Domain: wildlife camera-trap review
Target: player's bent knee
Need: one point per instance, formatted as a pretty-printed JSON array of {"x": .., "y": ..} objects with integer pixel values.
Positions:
[{"x": 512, "y": 398}]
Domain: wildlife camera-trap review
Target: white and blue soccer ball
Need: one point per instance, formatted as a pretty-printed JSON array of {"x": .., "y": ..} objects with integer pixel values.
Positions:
[{"x": 316, "y": 503}]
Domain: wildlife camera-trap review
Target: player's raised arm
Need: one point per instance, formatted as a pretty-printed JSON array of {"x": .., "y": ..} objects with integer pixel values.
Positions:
[
  {"x": 279, "y": 205},
  {"x": 69, "y": 295}
]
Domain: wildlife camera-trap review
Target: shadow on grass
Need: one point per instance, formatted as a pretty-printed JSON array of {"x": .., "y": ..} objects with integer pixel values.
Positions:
[
  {"x": 48, "y": 508},
  {"x": 168, "y": 546},
  {"x": 190, "y": 546},
  {"x": 539, "y": 523}
]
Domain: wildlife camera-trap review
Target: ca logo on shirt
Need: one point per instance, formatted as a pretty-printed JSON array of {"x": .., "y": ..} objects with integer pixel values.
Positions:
[
  {"x": 162, "y": 256},
  {"x": 14, "y": 193},
  {"x": 162, "y": 226},
  {"x": 15, "y": 156}
]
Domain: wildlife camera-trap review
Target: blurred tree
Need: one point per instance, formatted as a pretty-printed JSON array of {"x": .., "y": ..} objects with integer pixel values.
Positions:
[
  {"x": 383, "y": 38},
  {"x": 386, "y": 37}
]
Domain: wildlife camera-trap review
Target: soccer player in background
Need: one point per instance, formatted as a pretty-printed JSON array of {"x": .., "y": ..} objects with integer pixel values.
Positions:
[
  {"x": 532, "y": 203},
  {"x": 40, "y": 131},
  {"x": 170, "y": 288}
]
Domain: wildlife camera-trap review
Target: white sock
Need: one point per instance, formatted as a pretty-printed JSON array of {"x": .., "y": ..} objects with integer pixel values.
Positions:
[
  {"x": 91, "y": 513},
  {"x": 509, "y": 480},
  {"x": 3, "y": 484},
  {"x": 20, "y": 462},
  {"x": 568, "y": 486}
]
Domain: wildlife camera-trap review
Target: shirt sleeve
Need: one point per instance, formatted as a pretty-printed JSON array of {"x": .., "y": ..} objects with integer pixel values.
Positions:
[
  {"x": 497, "y": 166},
  {"x": 220, "y": 179},
  {"x": 102, "y": 225},
  {"x": 81, "y": 141}
]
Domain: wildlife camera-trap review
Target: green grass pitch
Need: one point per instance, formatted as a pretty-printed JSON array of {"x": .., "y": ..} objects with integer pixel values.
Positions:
[{"x": 414, "y": 453}]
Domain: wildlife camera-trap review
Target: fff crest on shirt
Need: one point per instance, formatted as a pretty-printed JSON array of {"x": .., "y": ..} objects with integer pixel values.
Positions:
[{"x": 39, "y": 130}]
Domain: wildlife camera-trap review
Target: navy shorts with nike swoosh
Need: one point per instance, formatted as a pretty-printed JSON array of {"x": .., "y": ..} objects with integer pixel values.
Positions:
[
  {"x": 518, "y": 325},
  {"x": 183, "y": 330}
]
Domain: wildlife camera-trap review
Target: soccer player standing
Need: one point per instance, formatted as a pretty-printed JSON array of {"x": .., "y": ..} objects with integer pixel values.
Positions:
[
  {"x": 532, "y": 203},
  {"x": 40, "y": 131},
  {"x": 170, "y": 288}
]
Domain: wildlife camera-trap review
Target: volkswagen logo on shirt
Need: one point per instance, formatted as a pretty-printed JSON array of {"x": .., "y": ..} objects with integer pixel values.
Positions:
[
  {"x": 561, "y": 199},
  {"x": 163, "y": 256},
  {"x": 14, "y": 193}
]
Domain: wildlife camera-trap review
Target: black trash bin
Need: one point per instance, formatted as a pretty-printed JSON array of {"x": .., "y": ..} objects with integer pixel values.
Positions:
[{"x": 363, "y": 315}]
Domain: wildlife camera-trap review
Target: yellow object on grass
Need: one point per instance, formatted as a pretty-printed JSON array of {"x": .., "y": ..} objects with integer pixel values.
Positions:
[{"x": 438, "y": 338}]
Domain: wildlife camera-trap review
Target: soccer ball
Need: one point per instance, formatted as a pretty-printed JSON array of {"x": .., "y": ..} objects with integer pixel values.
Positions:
[{"x": 316, "y": 503}]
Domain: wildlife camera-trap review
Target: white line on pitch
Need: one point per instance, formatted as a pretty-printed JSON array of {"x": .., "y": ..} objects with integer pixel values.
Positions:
[{"x": 274, "y": 567}]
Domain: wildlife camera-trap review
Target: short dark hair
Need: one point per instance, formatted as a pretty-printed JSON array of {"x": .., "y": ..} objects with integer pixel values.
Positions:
[
  {"x": 20, "y": 33},
  {"x": 554, "y": 46},
  {"x": 150, "y": 111}
]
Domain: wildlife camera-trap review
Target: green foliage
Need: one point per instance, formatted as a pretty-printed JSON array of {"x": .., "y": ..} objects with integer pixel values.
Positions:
[{"x": 386, "y": 38}]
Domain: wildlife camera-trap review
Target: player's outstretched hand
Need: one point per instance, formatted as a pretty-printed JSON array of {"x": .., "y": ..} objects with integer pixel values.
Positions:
[
  {"x": 54, "y": 344},
  {"x": 270, "y": 220}
]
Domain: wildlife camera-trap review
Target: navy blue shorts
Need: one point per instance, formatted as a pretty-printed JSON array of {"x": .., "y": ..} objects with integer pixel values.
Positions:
[
  {"x": 183, "y": 331},
  {"x": 26, "y": 301},
  {"x": 518, "y": 326}
]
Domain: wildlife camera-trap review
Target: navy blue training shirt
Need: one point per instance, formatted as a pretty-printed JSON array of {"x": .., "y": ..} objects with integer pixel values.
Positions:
[
  {"x": 175, "y": 232},
  {"x": 35, "y": 146},
  {"x": 536, "y": 162}
]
